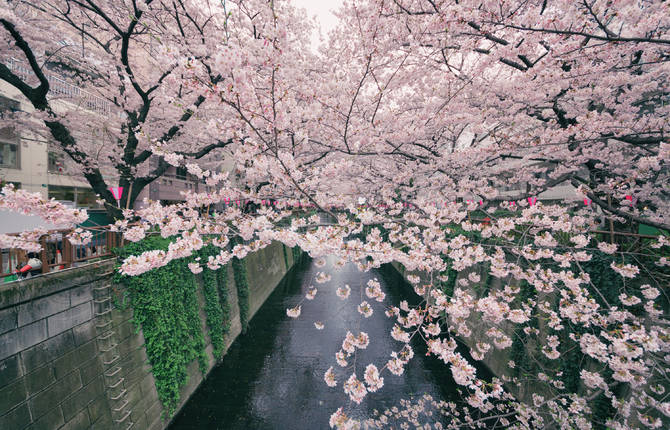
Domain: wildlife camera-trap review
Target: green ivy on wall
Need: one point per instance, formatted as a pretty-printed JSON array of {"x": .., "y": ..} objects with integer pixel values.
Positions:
[
  {"x": 449, "y": 285},
  {"x": 297, "y": 254},
  {"x": 283, "y": 247},
  {"x": 213, "y": 311},
  {"x": 224, "y": 300},
  {"x": 240, "y": 275},
  {"x": 165, "y": 305},
  {"x": 217, "y": 308},
  {"x": 520, "y": 353},
  {"x": 605, "y": 286}
]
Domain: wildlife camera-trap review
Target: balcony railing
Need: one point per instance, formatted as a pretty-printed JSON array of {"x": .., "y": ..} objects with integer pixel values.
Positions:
[{"x": 62, "y": 89}]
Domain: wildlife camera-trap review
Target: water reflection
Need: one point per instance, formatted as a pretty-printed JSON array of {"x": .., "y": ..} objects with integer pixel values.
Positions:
[{"x": 272, "y": 377}]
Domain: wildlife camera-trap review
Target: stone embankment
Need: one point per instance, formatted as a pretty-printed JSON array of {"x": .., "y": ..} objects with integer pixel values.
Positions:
[{"x": 70, "y": 359}]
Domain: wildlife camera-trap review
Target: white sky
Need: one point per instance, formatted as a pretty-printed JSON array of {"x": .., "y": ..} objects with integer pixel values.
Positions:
[{"x": 322, "y": 10}]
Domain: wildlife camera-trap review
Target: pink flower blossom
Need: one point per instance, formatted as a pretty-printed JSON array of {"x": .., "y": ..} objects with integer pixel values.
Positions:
[
  {"x": 329, "y": 377},
  {"x": 365, "y": 309},
  {"x": 343, "y": 292},
  {"x": 607, "y": 248},
  {"x": 293, "y": 312},
  {"x": 355, "y": 389},
  {"x": 195, "y": 267},
  {"x": 398, "y": 334},
  {"x": 372, "y": 378},
  {"x": 625, "y": 270}
]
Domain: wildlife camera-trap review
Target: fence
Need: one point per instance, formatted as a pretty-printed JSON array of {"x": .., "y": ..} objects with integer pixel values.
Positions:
[
  {"x": 62, "y": 89},
  {"x": 58, "y": 253}
]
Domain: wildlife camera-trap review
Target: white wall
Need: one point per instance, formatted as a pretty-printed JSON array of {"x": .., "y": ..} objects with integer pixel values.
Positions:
[{"x": 13, "y": 222}]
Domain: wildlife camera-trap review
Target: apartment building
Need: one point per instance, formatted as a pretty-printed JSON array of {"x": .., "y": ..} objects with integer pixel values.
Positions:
[{"x": 31, "y": 161}]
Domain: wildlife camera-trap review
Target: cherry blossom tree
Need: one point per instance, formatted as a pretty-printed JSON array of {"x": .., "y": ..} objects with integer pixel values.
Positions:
[
  {"x": 433, "y": 102},
  {"x": 392, "y": 145},
  {"x": 128, "y": 60}
]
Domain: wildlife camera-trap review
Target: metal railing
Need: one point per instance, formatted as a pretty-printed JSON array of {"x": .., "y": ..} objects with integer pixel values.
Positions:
[
  {"x": 62, "y": 89},
  {"x": 58, "y": 253}
]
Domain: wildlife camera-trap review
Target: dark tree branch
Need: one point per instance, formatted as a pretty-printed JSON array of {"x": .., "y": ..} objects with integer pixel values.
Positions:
[
  {"x": 37, "y": 96},
  {"x": 606, "y": 206}
]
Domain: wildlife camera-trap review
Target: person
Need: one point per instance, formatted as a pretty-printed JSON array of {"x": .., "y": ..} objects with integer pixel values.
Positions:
[{"x": 32, "y": 267}]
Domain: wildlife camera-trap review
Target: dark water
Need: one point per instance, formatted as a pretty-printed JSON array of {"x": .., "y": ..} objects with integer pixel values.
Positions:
[{"x": 272, "y": 377}]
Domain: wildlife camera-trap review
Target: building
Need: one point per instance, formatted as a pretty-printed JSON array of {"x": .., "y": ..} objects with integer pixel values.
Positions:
[{"x": 31, "y": 161}]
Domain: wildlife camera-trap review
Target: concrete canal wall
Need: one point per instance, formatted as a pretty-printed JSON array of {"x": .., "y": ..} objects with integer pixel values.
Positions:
[
  {"x": 70, "y": 359},
  {"x": 497, "y": 360}
]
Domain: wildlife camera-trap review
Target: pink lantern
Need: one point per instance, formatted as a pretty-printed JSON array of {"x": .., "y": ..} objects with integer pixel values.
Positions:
[
  {"x": 629, "y": 198},
  {"x": 511, "y": 203},
  {"x": 532, "y": 200},
  {"x": 117, "y": 192},
  {"x": 587, "y": 202}
]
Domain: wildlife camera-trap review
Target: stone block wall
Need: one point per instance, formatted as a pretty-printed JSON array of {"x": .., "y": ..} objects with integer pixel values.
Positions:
[
  {"x": 70, "y": 359},
  {"x": 51, "y": 375}
]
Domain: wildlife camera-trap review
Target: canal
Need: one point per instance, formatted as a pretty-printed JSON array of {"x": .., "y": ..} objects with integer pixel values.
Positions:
[{"x": 272, "y": 377}]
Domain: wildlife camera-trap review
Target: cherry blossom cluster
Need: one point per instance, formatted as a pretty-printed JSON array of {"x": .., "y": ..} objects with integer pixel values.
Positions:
[
  {"x": 412, "y": 102},
  {"x": 51, "y": 211}
]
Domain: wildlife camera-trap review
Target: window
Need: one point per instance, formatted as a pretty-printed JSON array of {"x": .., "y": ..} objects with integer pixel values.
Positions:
[
  {"x": 62, "y": 193},
  {"x": 9, "y": 139},
  {"x": 86, "y": 197},
  {"x": 79, "y": 196},
  {"x": 56, "y": 163},
  {"x": 9, "y": 155},
  {"x": 8, "y": 105}
]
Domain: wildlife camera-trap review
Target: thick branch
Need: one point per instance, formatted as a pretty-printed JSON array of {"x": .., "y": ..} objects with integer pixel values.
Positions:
[
  {"x": 606, "y": 206},
  {"x": 37, "y": 96}
]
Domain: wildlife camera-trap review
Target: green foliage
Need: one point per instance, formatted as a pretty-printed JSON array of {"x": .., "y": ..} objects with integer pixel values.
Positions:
[
  {"x": 450, "y": 283},
  {"x": 213, "y": 311},
  {"x": 218, "y": 318},
  {"x": 165, "y": 305},
  {"x": 486, "y": 281},
  {"x": 602, "y": 409},
  {"x": 605, "y": 286},
  {"x": 520, "y": 353},
  {"x": 283, "y": 247},
  {"x": 240, "y": 274},
  {"x": 297, "y": 254},
  {"x": 224, "y": 300}
]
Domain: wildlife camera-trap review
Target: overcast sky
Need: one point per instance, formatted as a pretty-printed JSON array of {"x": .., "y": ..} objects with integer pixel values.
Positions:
[{"x": 322, "y": 10}]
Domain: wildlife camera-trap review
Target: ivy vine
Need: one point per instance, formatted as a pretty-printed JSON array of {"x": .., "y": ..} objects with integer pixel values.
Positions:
[
  {"x": 240, "y": 274},
  {"x": 166, "y": 308},
  {"x": 283, "y": 247},
  {"x": 224, "y": 300},
  {"x": 297, "y": 254},
  {"x": 213, "y": 311}
]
